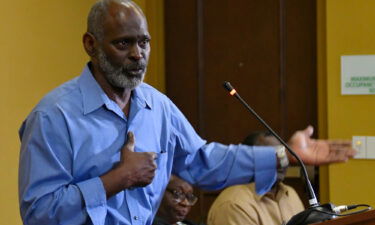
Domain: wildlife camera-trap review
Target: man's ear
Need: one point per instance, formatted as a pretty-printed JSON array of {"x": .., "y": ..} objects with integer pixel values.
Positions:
[{"x": 90, "y": 44}]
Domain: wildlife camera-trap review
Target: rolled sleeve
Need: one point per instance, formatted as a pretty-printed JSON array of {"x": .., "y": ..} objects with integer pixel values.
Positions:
[
  {"x": 94, "y": 196},
  {"x": 216, "y": 166}
]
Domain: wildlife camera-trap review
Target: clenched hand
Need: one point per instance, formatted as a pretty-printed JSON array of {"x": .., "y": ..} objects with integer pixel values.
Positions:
[{"x": 135, "y": 169}]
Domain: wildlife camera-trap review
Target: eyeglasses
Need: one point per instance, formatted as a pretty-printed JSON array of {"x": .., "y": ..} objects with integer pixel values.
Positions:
[{"x": 179, "y": 196}]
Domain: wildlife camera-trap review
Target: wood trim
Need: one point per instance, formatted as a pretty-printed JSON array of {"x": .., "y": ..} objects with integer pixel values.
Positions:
[
  {"x": 200, "y": 63},
  {"x": 282, "y": 68},
  {"x": 366, "y": 218}
]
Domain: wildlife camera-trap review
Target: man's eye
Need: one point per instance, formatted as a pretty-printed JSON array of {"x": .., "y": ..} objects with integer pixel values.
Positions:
[
  {"x": 144, "y": 43},
  {"x": 123, "y": 43}
]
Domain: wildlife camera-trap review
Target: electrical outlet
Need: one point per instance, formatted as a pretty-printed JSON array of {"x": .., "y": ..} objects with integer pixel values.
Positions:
[
  {"x": 359, "y": 144},
  {"x": 370, "y": 147}
]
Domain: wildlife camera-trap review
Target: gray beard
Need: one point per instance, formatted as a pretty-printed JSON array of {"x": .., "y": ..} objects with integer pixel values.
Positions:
[{"x": 117, "y": 76}]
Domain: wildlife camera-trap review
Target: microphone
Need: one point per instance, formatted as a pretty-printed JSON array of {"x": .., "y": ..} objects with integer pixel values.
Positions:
[
  {"x": 316, "y": 212},
  {"x": 342, "y": 208}
]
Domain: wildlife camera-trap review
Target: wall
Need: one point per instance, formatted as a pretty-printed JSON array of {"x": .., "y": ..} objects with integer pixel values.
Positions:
[
  {"x": 41, "y": 47},
  {"x": 346, "y": 27}
]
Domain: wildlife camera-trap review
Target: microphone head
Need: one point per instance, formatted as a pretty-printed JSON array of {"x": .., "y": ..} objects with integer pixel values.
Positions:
[{"x": 228, "y": 86}]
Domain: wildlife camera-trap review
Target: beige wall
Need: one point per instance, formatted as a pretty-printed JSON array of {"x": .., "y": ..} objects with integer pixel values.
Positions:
[
  {"x": 346, "y": 27},
  {"x": 40, "y": 42}
]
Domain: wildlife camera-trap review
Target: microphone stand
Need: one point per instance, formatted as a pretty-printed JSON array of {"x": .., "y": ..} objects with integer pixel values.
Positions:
[{"x": 316, "y": 212}]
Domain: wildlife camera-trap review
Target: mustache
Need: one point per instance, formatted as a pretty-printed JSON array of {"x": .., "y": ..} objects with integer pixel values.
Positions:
[{"x": 135, "y": 66}]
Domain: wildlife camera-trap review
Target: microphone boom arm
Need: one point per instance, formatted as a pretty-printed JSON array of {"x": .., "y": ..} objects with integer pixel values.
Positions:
[
  {"x": 316, "y": 212},
  {"x": 313, "y": 201}
]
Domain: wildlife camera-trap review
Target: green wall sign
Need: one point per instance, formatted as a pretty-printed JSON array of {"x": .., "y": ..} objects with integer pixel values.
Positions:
[{"x": 357, "y": 74}]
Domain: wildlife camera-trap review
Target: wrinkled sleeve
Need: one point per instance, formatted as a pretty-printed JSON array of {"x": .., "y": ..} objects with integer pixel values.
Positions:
[
  {"x": 48, "y": 193},
  {"x": 215, "y": 166}
]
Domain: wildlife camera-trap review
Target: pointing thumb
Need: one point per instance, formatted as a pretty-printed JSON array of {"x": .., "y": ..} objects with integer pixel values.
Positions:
[
  {"x": 129, "y": 145},
  {"x": 309, "y": 130}
]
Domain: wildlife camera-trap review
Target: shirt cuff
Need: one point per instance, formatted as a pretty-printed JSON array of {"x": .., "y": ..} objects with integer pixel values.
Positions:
[
  {"x": 265, "y": 169},
  {"x": 94, "y": 195}
]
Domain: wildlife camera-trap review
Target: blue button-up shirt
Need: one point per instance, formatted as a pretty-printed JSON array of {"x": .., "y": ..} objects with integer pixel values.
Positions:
[{"x": 74, "y": 135}]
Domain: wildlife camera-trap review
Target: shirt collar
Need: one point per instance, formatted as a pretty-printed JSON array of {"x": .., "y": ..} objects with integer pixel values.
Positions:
[
  {"x": 282, "y": 190},
  {"x": 94, "y": 97},
  {"x": 140, "y": 98},
  {"x": 92, "y": 94}
]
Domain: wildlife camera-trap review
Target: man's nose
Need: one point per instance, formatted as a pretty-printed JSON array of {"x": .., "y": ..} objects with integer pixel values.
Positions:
[
  {"x": 136, "y": 52},
  {"x": 185, "y": 202}
]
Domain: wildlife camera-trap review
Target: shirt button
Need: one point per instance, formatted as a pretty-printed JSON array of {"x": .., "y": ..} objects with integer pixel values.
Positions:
[{"x": 135, "y": 217}]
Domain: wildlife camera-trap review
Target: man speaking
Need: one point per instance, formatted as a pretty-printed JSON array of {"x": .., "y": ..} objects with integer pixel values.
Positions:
[{"x": 100, "y": 148}]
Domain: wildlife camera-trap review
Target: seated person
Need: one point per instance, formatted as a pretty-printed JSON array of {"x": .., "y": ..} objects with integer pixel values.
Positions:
[
  {"x": 176, "y": 204},
  {"x": 240, "y": 204}
]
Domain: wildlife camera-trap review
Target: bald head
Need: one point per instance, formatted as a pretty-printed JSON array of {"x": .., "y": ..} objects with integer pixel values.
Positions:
[
  {"x": 118, "y": 43},
  {"x": 176, "y": 181},
  {"x": 101, "y": 9}
]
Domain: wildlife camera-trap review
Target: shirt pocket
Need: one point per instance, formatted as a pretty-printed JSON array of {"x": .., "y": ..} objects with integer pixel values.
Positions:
[{"x": 161, "y": 179}]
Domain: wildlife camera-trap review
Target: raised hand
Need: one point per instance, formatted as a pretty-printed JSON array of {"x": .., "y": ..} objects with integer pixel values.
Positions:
[
  {"x": 317, "y": 151},
  {"x": 135, "y": 169}
]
